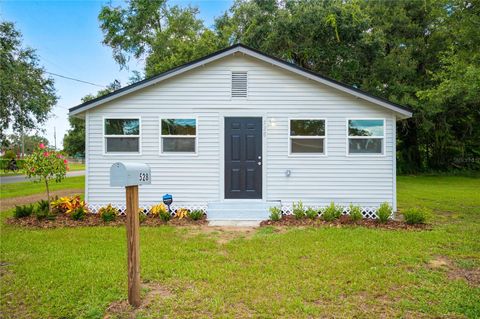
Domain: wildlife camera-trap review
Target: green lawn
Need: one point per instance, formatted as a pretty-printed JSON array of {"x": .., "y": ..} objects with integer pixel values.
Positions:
[
  {"x": 29, "y": 188},
  {"x": 76, "y": 167},
  {"x": 296, "y": 273},
  {"x": 73, "y": 167}
]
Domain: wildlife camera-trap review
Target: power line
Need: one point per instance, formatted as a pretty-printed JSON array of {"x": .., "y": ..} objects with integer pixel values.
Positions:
[{"x": 73, "y": 79}]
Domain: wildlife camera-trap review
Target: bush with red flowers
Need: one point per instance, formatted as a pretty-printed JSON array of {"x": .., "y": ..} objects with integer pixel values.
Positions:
[{"x": 46, "y": 165}]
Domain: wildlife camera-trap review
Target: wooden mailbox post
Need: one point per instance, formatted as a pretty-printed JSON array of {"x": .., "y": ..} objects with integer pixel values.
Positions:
[{"x": 130, "y": 175}]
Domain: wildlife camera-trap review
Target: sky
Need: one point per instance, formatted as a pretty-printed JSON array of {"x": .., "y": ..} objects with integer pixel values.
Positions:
[{"x": 68, "y": 40}]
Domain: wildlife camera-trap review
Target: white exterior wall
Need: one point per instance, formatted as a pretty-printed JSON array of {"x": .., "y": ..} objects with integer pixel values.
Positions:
[{"x": 274, "y": 94}]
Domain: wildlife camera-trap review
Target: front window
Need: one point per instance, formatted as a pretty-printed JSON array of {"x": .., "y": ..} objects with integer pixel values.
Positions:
[
  {"x": 307, "y": 136},
  {"x": 366, "y": 136},
  {"x": 178, "y": 135},
  {"x": 122, "y": 135}
]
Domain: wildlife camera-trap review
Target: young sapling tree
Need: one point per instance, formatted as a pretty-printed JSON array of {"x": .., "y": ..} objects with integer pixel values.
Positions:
[{"x": 46, "y": 165}]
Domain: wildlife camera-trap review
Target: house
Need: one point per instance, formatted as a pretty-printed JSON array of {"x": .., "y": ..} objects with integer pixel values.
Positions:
[{"x": 238, "y": 131}]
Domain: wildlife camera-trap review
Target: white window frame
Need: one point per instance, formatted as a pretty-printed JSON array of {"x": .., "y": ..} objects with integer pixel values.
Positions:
[
  {"x": 105, "y": 136},
  {"x": 383, "y": 137},
  {"x": 324, "y": 137},
  {"x": 178, "y": 117}
]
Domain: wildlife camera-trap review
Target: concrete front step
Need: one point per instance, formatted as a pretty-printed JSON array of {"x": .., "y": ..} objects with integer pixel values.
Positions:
[{"x": 239, "y": 210}]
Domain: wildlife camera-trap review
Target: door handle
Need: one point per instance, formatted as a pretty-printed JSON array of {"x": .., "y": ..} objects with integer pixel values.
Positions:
[{"x": 259, "y": 163}]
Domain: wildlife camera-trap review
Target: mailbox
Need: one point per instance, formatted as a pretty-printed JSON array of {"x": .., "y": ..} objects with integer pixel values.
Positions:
[{"x": 129, "y": 174}]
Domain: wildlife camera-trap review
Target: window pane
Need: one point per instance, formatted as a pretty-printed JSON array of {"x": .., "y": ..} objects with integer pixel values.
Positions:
[
  {"x": 178, "y": 144},
  {"x": 307, "y": 145},
  {"x": 365, "y": 145},
  {"x": 365, "y": 127},
  {"x": 122, "y": 144},
  {"x": 122, "y": 127},
  {"x": 307, "y": 128},
  {"x": 179, "y": 127}
]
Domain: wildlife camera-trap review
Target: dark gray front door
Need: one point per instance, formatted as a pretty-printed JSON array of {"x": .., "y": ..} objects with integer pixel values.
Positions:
[{"x": 243, "y": 157}]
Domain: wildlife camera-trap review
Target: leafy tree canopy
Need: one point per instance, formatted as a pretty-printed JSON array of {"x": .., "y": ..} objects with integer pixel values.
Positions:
[
  {"x": 166, "y": 36},
  {"x": 14, "y": 142},
  {"x": 26, "y": 94}
]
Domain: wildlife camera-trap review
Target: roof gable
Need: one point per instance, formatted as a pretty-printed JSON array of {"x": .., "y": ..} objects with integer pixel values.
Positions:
[{"x": 402, "y": 111}]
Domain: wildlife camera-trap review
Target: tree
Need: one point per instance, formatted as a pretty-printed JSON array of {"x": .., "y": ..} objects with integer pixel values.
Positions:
[
  {"x": 166, "y": 36},
  {"x": 46, "y": 165},
  {"x": 74, "y": 139},
  {"x": 26, "y": 94},
  {"x": 30, "y": 142},
  {"x": 453, "y": 102}
]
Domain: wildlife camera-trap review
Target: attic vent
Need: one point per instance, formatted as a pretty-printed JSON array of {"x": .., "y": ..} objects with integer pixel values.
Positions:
[{"x": 239, "y": 84}]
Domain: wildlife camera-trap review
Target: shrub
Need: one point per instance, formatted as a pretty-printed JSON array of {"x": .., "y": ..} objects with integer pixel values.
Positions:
[
  {"x": 332, "y": 212},
  {"x": 79, "y": 213},
  {"x": 355, "y": 212},
  {"x": 156, "y": 210},
  {"x": 181, "y": 213},
  {"x": 108, "y": 213},
  {"x": 298, "y": 210},
  {"x": 43, "y": 205},
  {"x": 311, "y": 213},
  {"x": 196, "y": 214},
  {"x": 60, "y": 205},
  {"x": 165, "y": 216},
  {"x": 67, "y": 205},
  {"x": 41, "y": 214},
  {"x": 42, "y": 210},
  {"x": 275, "y": 213},
  {"x": 23, "y": 211},
  {"x": 384, "y": 212},
  {"x": 141, "y": 216},
  {"x": 415, "y": 216}
]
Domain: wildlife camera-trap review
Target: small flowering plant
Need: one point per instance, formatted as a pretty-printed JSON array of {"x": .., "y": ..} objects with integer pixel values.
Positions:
[{"x": 46, "y": 165}]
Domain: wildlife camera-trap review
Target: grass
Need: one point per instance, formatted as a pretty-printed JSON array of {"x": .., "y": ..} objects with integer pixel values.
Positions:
[
  {"x": 73, "y": 167},
  {"x": 294, "y": 273},
  {"x": 30, "y": 188},
  {"x": 76, "y": 167}
]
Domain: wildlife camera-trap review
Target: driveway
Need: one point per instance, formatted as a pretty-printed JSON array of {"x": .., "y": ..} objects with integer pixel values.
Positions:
[{"x": 23, "y": 178}]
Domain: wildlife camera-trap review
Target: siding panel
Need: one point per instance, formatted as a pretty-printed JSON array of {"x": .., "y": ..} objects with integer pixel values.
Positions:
[{"x": 274, "y": 94}]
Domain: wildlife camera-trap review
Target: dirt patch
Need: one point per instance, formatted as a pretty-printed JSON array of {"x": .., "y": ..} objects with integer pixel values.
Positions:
[
  {"x": 342, "y": 221},
  {"x": 95, "y": 220},
  {"x": 454, "y": 272},
  {"x": 122, "y": 309},
  {"x": 223, "y": 234},
  {"x": 9, "y": 203}
]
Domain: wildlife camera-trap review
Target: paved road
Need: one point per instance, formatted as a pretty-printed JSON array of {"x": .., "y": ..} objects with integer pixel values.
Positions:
[{"x": 23, "y": 178}]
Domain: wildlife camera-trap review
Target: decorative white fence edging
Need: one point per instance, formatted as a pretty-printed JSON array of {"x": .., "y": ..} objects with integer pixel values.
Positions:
[
  {"x": 145, "y": 208},
  {"x": 367, "y": 212}
]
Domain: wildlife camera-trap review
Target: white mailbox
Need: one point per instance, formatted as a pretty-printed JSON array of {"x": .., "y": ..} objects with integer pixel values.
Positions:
[{"x": 129, "y": 174}]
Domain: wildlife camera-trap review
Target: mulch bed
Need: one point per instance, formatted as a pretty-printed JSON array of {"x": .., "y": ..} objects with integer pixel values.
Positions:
[
  {"x": 95, "y": 220},
  {"x": 344, "y": 220}
]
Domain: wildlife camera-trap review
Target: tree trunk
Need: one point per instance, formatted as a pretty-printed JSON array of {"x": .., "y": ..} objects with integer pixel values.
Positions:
[{"x": 48, "y": 194}]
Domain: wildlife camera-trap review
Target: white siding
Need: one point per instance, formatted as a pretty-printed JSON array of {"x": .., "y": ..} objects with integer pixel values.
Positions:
[{"x": 274, "y": 94}]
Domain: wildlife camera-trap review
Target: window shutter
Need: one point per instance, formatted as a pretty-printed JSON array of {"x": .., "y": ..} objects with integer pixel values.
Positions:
[{"x": 239, "y": 84}]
